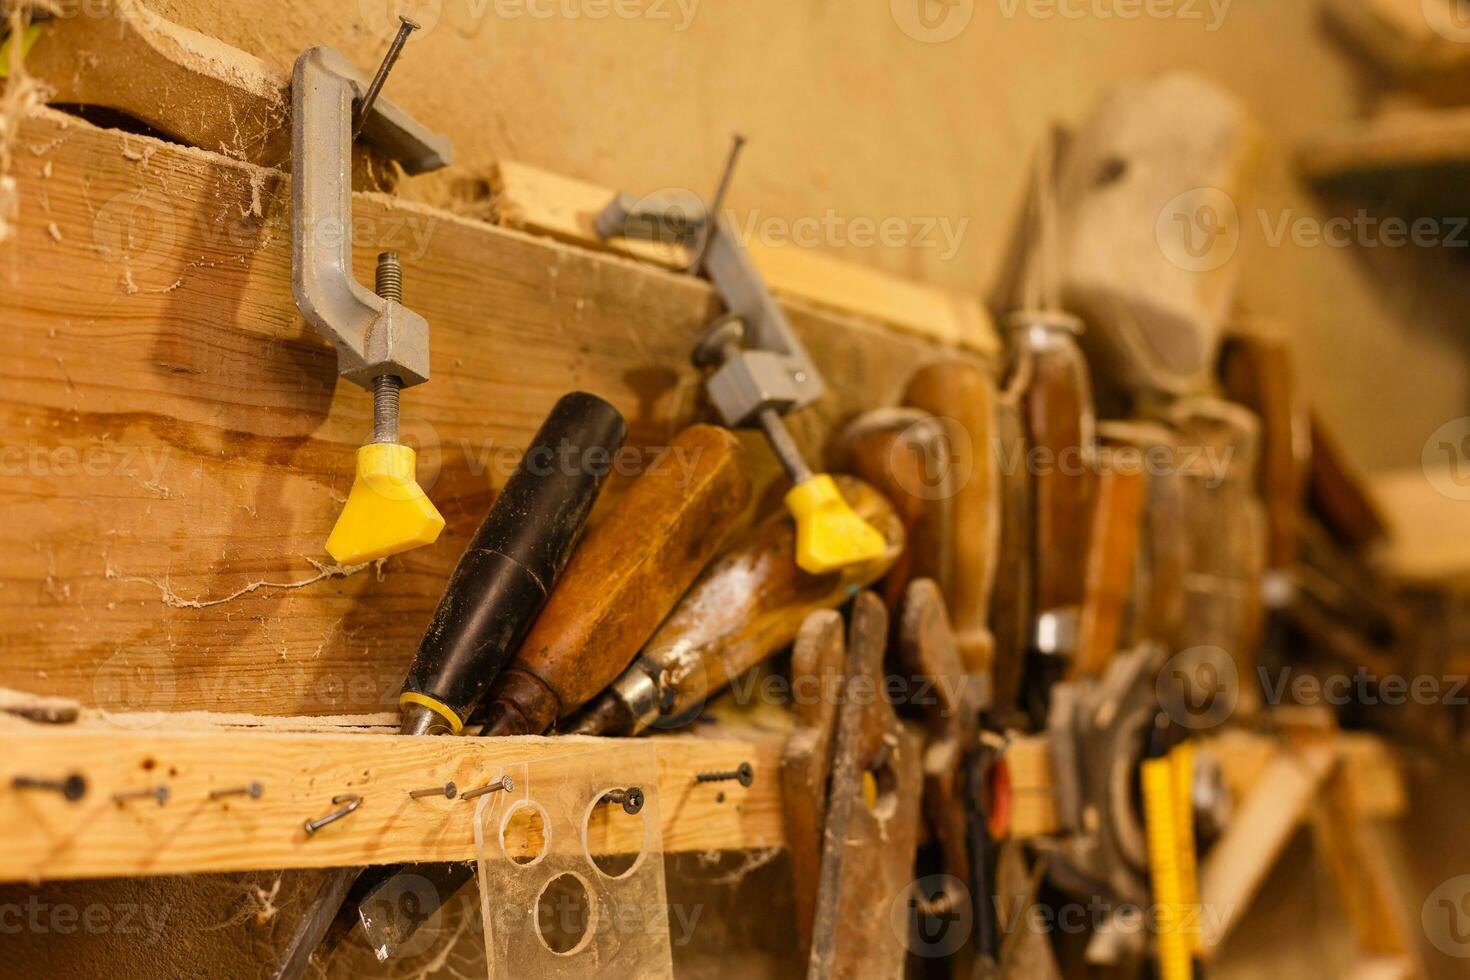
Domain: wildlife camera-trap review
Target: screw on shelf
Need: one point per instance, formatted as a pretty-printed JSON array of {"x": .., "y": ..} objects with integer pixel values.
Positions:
[
  {"x": 72, "y": 788},
  {"x": 504, "y": 783},
  {"x": 630, "y": 799},
  {"x": 743, "y": 773},
  {"x": 447, "y": 791},
  {"x": 159, "y": 793},
  {"x": 352, "y": 801},
  {"x": 255, "y": 790}
]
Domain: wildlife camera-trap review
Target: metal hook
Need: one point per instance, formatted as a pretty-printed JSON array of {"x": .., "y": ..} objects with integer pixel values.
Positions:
[{"x": 352, "y": 800}]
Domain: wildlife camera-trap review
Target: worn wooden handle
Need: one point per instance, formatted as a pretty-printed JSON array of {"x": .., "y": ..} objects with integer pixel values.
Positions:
[
  {"x": 1059, "y": 411},
  {"x": 751, "y": 602},
  {"x": 962, "y": 397},
  {"x": 623, "y": 580}
]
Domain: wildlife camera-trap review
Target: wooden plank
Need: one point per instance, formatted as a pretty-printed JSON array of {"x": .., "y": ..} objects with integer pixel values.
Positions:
[
  {"x": 49, "y": 838},
  {"x": 1358, "y": 866},
  {"x": 176, "y": 445},
  {"x": 1396, "y": 140},
  {"x": 1430, "y": 524},
  {"x": 534, "y": 200},
  {"x": 1258, "y": 832},
  {"x": 1409, "y": 37}
]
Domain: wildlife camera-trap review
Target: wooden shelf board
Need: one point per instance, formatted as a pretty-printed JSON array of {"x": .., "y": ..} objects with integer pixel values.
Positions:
[{"x": 49, "y": 838}]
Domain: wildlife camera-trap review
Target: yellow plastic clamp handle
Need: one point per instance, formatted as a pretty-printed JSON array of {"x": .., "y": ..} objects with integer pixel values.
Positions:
[
  {"x": 829, "y": 534},
  {"x": 387, "y": 511},
  {"x": 28, "y": 39}
]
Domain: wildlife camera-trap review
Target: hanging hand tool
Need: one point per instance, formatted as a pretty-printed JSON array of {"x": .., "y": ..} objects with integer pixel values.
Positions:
[
  {"x": 903, "y": 453},
  {"x": 512, "y": 564},
  {"x": 1059, "y": 416},
  {"x": 1013, "y": 598},
  {"x": 929, "y": 650},
  {"x": 871, "y": 832},
  {"x": 500, "y": 584},
  {"x": 963, "y": 399},
  {"x": 1155, "y": 609},
  {"x": 1099, "y": 733},
  {"x": 817, "y": 664},
  {"x": 761, "y": 371},
  {"x": 381, "y": 344},
  {"x": 1225, "y": 534},
  {"x": 743, "y": 609},
  {"x": 622, "y": 582}
]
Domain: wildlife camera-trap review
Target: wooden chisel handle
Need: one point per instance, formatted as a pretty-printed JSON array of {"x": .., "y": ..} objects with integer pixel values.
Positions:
[
  {"x": 962, "y": 397},
  {"x": 622, "y": 581},
  {"x": 1059, "y": 415},
  {"x": 744, "y": 608}
]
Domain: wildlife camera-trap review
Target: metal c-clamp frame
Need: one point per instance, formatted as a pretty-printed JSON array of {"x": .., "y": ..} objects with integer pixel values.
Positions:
[
  {"x": 381, "y": 344},
  {"x": 761, "y": 370}
]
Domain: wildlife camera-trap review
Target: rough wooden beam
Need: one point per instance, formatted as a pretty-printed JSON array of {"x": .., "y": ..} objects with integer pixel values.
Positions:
[
  {"x": 176, "y": 446},
  {"x": 534, "y": 200},
  {"x": 1403, "y": 139},
  {"x": 49, "y": 838},
  {"x": 1258, "y": 831}
]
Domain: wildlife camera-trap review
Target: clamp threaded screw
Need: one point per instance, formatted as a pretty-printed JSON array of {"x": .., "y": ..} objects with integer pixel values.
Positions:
[{"x": 389, "y": 286}]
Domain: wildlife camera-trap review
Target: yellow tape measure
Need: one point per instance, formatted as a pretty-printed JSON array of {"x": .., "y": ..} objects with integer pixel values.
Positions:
[{"x": 1169, "y": 815}]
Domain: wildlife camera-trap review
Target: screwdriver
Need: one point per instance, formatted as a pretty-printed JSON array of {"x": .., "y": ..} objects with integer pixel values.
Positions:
[
  {"x": 494, "y": 594},
  {"x": 506, "y": 574},
  {"x": 742, "y": 610}
]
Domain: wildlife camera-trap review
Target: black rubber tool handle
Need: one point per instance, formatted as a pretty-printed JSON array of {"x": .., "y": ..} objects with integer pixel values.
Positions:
[{"x": 511, "y": 566}]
